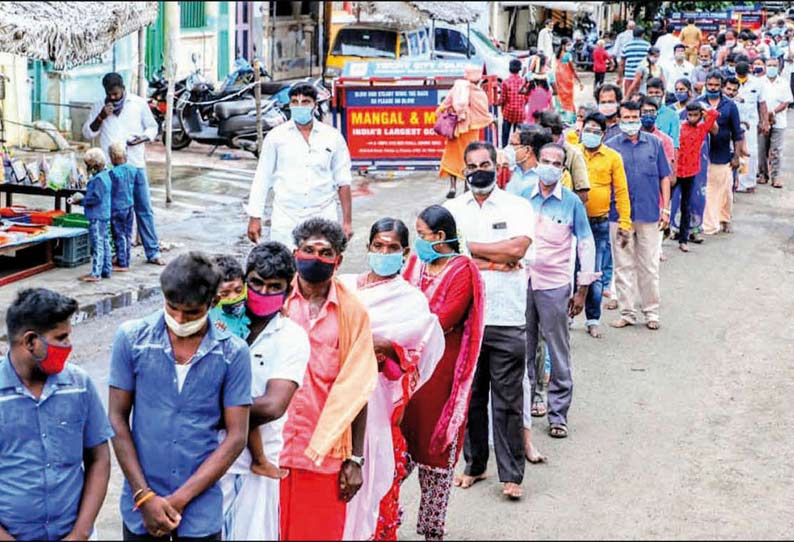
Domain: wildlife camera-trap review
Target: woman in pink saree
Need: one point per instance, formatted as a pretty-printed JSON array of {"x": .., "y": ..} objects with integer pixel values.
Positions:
[
  {"x": 435, "y": 420},
  {"x": 409, "y": 342}
]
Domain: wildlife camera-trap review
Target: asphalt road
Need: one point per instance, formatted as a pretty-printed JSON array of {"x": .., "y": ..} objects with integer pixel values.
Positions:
[{"x": 680, "y": 433}]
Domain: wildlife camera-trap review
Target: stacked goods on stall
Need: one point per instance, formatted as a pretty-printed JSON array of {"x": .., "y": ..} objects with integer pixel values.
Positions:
[{"x": 61, "y": 173}]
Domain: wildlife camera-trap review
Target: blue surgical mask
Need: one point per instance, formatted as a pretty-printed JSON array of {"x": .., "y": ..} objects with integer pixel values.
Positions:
[
  {"x": 648, "y": 121},
  {"x": 771, "y": 72},
  {"x": 630, "y": 128},
  {"x": 301, "y": 114},
  {"x": 681, "y": 96},
  {"x": 424, "y": 250},
  {"x": 758, "y": 70},
  {"x": 591, "y": 140},
  {"x": 713, "y": 94},
  {"x": 548, "y": 174},
  {"x": 385, "y": 265}
]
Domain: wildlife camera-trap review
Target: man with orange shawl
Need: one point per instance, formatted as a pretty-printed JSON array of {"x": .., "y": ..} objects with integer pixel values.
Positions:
[
  {"x": 326, "y": 423},
  {"x": 470, "y": 104}
]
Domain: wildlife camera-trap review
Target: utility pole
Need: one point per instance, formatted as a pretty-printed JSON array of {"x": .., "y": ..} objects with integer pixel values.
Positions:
[
  {"x": 258, "y": 98},
  {"x": 171, "y": 54},
  {"x": 142, "y": 62}
]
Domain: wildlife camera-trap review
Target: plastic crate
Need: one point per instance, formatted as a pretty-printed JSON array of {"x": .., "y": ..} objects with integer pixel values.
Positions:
[
  {"x": 73, "y": 251},
  {"x": 72, "y": 220}
]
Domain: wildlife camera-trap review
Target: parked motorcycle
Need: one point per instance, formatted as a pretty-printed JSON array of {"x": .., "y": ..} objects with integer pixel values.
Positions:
[
  {"x": 158, "y": 90},
  {"x": 232, "y": 124}
]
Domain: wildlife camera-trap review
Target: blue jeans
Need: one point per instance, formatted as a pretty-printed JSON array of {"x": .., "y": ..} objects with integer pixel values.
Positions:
[
  {"x": 145, "y": 216},
  {"x": 99, "y": 235},
  {"x": 603, "y": 257},
  {"x": 121, "y": 221}
]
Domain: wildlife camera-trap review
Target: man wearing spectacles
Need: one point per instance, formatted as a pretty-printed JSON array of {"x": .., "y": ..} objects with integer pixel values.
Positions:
[{"x": 560, "y": 217}]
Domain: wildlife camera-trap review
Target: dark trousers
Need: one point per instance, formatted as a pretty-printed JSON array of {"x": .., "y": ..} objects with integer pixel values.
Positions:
[
  {"x": 684, "y": 184},
  {"x": 506, "y": 129},
  {"x": 500, "y": 371},
  {"x": 121, "y": 222},
  {"x": 599, "y": 79},
  {"x": 595, "y": 293},
  {"x": 173, "y": 537}
]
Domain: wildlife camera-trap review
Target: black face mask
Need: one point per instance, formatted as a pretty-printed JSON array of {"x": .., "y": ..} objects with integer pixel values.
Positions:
[
  {"x": 314, "y": 270},
  {"x": 481, "y": 179}
]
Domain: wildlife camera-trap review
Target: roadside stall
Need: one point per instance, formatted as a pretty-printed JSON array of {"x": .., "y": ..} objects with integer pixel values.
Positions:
[
  {"x": 65, "y": 34},
  {"x": 386, "y": 111}
]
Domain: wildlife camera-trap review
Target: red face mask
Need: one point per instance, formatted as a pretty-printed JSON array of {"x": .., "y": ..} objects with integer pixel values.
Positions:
[
  {"x": 264, "y": 305},
  {"x": 54, "y": 360}
]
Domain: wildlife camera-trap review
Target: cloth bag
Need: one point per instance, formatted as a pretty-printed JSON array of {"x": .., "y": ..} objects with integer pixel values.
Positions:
[{"x": 445, "y": 124}]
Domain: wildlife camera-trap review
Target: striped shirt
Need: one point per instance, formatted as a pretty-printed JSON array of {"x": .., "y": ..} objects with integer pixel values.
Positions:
[{"x": 632, "y": 54}]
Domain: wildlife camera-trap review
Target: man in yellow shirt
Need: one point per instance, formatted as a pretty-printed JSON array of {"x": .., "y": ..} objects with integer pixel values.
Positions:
[
  {"x": 691, "y": 36},
  {"x": 607, "y": 180}
]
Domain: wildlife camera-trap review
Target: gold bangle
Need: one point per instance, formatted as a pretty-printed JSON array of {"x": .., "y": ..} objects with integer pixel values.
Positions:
[{"x": 143, "y": 499}]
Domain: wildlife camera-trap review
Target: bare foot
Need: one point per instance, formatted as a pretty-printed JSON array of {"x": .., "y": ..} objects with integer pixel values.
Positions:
[
  {"x": 611, "y": 305},
  {"x": 594, "y": 331},
  {"x": 512, "y": 490},
  {"x": 269, "y": 470},
  {"x": 683, "y": 247},
  {"x": 89, "y": 278},
  {"x": 156, "y": 261},
  {"x": 464, "y": 481},
  {"x": 118, "y": 269},
  {"x": 726, "y": 227},
  {"x": 530, "y": 452}
]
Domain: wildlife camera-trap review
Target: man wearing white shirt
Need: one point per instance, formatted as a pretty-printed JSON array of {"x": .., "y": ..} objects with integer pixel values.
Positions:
[
  {"x": 770, "y": 147},
  {"x": 666, "y": 43},
  {"x": 307, "y": 164},
  {"x": 496, "y": 228},
  {"x": 125, "y": 118},
  {"x": 546, "y": 40},
  {"x": 679, "y": 68},
  {"x": 749, "y": 95},
  {"x": 280, "y": 352}
]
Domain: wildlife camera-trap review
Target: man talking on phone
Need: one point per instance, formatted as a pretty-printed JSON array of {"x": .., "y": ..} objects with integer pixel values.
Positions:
[{"x": 125, "y": 117}]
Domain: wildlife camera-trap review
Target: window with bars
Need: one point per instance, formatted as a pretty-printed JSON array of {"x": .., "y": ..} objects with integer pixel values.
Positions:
[{"x": 192, "y": 15}]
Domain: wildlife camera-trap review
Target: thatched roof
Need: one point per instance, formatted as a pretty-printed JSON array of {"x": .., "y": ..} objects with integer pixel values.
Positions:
[
  {"x": 69, "y": 33},
  {"x": 412, "y": 14}
]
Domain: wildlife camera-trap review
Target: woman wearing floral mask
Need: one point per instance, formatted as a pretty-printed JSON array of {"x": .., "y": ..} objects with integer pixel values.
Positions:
[{"x": 409, "y": 342}]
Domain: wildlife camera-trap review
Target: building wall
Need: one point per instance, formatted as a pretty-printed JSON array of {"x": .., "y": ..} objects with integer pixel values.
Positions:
[{"x": 16, "y": 105}]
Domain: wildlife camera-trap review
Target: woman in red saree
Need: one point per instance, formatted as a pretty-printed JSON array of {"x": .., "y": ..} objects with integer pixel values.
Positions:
[
  {"x": 435, "y": 418},
  {"x": 565, "y": 75}
]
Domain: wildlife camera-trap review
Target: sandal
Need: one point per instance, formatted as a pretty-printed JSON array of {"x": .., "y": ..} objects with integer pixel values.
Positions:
[
  {"x": 683, "y": 247},
  {"x": 693, "y": 238},
  {"x": 558, "y": 430},
  {"x": 512, "y": 491},
  {"x": 621, "y": 323},
  {"x": 594, "y": 331},
  {"x": 777, "y": 184},
  {"x": 538, "y": 409},
  {"x": 653, "y": 325},
  {"x": 451, "y": 194}
]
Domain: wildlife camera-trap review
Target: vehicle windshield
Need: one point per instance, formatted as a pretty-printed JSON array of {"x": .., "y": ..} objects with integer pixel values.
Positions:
[
  {"x": 365, "y": 42},
  {"x": 478, "y": 36}
]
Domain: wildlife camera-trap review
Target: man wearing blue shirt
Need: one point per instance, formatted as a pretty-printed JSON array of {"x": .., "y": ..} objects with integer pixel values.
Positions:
[
  {"x": 667, "y": 120},
  {"x": 724, "y": 152},
  {"x": 647, "y": 174},
  {"x": 183, "y": 380},
  {"x": 54, "y": 455}
]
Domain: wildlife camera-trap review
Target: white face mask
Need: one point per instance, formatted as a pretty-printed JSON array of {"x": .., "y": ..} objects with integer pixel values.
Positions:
[{"x": 188, "y": 328}]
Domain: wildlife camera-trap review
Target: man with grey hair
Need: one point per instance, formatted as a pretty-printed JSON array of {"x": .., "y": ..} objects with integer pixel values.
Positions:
[
  {"x": 560, "y": 218},
  {"x": 496, "y": 229}
]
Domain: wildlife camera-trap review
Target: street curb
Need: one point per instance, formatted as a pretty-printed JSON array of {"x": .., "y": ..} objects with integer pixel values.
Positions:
[{"x": 101, "y": 307}]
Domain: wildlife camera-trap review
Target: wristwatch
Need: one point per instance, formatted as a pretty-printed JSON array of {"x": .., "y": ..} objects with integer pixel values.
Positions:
[{"x": 358, "y": 460}]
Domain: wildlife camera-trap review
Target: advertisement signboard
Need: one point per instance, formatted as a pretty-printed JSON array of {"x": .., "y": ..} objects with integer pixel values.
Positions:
[{"x": 393, "y": 123}]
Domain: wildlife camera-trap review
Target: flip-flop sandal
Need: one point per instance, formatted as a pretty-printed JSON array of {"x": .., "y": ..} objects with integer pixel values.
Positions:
[
  {"x": 777, "y": 184},
  {"x": 538, "y": 409},
  {"x": 513, "y": 496},
  {"x": 451, "y": 194},
  {"x": 621, "y": 323},
  {"x": 558, "y": 430},
  {"x": 695, "y": 239}
]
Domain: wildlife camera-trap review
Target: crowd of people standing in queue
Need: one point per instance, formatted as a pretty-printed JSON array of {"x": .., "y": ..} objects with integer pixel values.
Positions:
[{"x": 277, "y": 399}]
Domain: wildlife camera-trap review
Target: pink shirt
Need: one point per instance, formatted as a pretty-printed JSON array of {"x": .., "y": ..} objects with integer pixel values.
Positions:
[
  {"x": 667, "y": 145},
  {"x": 308, "y": 402}
]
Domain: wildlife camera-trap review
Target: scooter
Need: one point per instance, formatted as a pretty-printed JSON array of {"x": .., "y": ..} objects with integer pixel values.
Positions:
[
  {"x": 234, "y": 122},
  {"x": 158, "y": 90}
]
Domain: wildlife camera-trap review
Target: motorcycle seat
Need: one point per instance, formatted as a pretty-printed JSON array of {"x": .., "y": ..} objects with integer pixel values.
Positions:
[{"x": 225, "y": 110}]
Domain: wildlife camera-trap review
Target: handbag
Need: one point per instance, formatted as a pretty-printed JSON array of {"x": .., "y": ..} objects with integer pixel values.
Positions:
[{"x": 445, "y": 124}]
